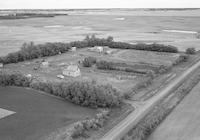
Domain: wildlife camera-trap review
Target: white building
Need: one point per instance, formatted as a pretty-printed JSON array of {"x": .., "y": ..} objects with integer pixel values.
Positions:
[
  {"x": 72, "y": 70},
  {"x": 60, "y": 76},
  {"x": 97, "y": 49},
  {"x": 73, "y": 49},
  {"x": 45, "y": 64}
]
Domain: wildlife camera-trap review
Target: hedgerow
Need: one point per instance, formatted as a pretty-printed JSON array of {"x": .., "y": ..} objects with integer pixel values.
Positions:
[
  {"x": 30, "y": 50},
  {"x": 105, "y": 65}
]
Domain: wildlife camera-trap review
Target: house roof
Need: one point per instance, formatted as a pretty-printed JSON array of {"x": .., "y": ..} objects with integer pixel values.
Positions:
[{"x": 72, "y": 68}]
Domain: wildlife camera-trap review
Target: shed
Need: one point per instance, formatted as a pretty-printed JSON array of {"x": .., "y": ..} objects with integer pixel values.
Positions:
[{"x": 72, "y": 70}]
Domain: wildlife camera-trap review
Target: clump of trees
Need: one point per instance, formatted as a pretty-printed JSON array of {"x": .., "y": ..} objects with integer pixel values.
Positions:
[
  {"x": 31, "y": 51},
  {"x": 89, "y": 61},
  {"x": 181, "y": 58},
  {"x": 190, "y": 51},
  {"x": 82, "y": 93},
  {"x": 14, "y": 79},
  {"x": 80, "y": 128}
]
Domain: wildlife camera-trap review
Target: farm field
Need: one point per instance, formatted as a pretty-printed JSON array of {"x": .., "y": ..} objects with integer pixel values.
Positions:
[
  {"x": 36, "y": 115},
  {"x": 183, "y": 122},
  {"x": 137, "y": 75},
  {"x": 133, "y": 29}
]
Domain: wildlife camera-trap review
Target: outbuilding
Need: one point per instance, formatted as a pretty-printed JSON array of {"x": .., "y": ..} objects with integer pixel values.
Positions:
[
  {"x": 45, "y": 64},
  {"x": 73, "y": 49}
]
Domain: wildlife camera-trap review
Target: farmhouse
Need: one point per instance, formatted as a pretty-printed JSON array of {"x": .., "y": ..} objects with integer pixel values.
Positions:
[{"x": 72, "y": 70}]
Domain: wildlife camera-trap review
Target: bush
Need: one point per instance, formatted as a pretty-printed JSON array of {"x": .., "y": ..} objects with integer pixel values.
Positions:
[
  {"x": 79, "y": 129},
  {"x": 163, "y": 69},
  {"x": 89, "y": 61},
  {"x": 181, "y": 58},
  {"x": 190, "y": 51}
]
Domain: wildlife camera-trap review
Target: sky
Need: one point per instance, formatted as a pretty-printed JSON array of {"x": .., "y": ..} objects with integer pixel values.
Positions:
[{"x": 71, "y": 4}]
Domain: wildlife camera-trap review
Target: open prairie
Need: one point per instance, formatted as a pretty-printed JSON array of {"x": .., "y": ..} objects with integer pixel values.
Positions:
[
  {"x": 183, "y": 122},
  {"x": 133, "y": 28}
]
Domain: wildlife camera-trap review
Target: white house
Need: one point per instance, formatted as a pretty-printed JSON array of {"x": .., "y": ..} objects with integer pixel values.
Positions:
[{"x": 72, "y": 70}]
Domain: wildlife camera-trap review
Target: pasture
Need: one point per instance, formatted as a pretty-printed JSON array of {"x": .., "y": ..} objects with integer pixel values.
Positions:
[{"x": 132, "y": 29}]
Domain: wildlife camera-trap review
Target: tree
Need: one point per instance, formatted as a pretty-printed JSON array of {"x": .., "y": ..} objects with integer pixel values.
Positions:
[{"x": 190, "y": 51}]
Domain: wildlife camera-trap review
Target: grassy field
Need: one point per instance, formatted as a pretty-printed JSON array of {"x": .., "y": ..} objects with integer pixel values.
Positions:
[
  {"x": 183, "y": 122},
  {"x": 155, "y": 58},
  {"x": 143, "y": 28},
  {"x": 123, "y": 81}
]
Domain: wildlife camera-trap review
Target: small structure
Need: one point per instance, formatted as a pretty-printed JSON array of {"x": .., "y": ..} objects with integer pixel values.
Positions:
[
  {"x": 60, "y": 76},
  {"x": 72, "y": 70},
  {"x": 45, "y": 64},
  {"x": 97, "y": 49},
  {"x": 1, "y": 65},
  {"x": 108, "y": 52},
  {"x": 73, "y": 49},
  {"x": 29, "y": 76}
]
